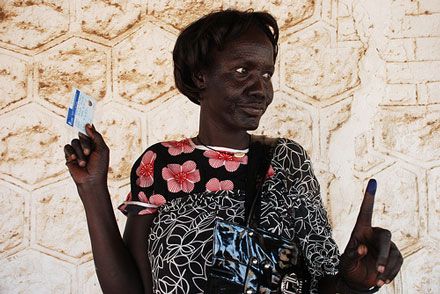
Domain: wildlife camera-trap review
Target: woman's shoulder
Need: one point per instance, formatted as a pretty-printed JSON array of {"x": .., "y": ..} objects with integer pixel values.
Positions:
[
  {"x": 288, "y": 145},
  {"x": 289, "y": 155},
  {"x": 172, "y": 147},
  {"x": 166, "y": 151}
]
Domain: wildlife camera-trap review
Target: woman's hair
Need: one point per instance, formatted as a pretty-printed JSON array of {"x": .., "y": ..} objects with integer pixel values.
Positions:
[{"x": 196, "y": 43}]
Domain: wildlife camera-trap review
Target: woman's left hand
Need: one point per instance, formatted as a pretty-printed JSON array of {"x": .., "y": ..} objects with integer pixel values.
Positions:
[{"x": 370, "y": 258}]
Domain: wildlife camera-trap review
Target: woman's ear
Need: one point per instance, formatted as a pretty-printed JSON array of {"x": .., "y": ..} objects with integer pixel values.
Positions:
[{"x": 199, "y": 80}]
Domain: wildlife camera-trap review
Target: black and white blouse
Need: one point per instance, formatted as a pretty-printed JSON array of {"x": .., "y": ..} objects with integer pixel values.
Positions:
[{"x": 190, "y": 185}]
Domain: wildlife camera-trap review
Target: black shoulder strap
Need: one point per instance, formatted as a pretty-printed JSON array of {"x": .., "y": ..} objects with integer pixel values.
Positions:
[{"x": 259, "y": 158}]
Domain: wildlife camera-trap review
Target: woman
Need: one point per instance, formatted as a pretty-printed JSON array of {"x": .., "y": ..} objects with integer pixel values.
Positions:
[{"x": 224, "y": 62}]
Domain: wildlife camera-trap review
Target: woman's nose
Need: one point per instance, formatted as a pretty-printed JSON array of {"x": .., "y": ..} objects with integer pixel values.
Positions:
[{"x": 257, "y": 87}]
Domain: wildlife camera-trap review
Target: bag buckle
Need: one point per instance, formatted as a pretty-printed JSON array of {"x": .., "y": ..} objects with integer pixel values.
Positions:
[{"x": 291, "y": 284}]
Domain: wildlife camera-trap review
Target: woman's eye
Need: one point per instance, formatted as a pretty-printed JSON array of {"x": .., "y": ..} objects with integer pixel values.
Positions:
[
  {"x": 267, "y": 75},
  {"x": 241, "y": 70}
]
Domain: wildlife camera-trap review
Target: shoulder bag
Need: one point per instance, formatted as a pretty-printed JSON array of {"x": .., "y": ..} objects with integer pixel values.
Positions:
[{"x": 247, "y": 259}]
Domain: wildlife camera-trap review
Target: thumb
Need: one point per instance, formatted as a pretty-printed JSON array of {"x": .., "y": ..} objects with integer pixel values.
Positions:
[{"x": 96, "y": 137}]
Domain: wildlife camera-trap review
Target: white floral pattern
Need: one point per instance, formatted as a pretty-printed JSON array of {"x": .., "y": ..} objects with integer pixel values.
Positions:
[{"x": 181, "y": 236}]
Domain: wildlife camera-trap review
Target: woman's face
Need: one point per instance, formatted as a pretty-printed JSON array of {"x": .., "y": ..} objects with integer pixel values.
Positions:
[{"x": 237, "y": 85}]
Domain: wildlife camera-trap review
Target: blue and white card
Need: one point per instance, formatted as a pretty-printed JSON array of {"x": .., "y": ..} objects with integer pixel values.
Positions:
[{"x": 81, "y": 110}]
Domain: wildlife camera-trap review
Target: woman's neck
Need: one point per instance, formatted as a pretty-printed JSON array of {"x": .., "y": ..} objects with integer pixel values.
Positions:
[{"x": 234, "y": 140}]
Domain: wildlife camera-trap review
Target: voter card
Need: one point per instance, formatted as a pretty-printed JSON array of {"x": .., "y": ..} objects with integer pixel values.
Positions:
[{"x": 81, "y": 110}]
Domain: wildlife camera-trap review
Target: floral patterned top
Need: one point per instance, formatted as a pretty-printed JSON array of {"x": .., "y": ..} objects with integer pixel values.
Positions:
[{"x": 189, "y": 186}]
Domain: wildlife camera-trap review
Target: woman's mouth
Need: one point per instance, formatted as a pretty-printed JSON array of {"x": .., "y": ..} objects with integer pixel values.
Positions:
[{"x": 252, "y": 110}]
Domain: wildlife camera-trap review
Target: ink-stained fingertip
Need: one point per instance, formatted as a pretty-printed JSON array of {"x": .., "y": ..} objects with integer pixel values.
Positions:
[{"x": 371, "y": 187}]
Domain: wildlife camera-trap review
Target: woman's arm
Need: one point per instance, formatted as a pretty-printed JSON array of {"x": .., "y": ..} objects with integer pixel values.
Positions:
[
  {"x": 115, "y": 267},
  {"x": 137, "y": 230},
  {"x": 87, "y": 159}
]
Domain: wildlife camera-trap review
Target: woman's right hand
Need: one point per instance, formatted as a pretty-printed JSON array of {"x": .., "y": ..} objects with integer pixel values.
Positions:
[{"x": 87, "y": 159}]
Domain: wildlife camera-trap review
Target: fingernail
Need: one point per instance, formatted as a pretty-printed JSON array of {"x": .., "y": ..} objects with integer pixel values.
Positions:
[
  {"x": 82, "y": 163},
  {"x": 88, "y": 126},
  {"x": 73, "y": 156},
  {"x": 372, "y": 186},
  {"x": 380, "y": 268},
  {"x": 388, "y": 281},
  {"x": 362, "y": 250},
  {"x": 380, "y": 283},
  {"x": 86, "y": 151}
]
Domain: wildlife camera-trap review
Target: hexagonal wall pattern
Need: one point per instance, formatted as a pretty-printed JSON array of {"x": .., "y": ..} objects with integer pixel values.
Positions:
[
  {"x": 357, "y": 84},
  {"x": 87, "y": 279},
  {"x": 31, "y": 148},
  {"x": 34, "y": 273},
  {"x": 12, "y": 233},
  {"x": 315, "y": 67},
  {"x": 434, "y": 202},
  {"x": 59, "y": 220},
  {"x": 176, "y": 13},
  {"x": 143, "y": 65},
  {"x": 160, "y": 122},
  {"x": 343, "y": 207},
  {"x": 429, "y": 269},
  {"x": 285, "y": 118},
  {"x": 75, "y": 62},
  {"x": 14, "y": 75},
  {"x": 397, "y": 195},
  {"x": 287, "y": 12},
  {"x": 29, "y": 24},
  {"x": 121, "y": 130},
  {"x": 409, "y": 131},
  {"x": 365, "y": 159},
  {"x": 333, "y": 117},
  {"x": 108, "y": 19}
]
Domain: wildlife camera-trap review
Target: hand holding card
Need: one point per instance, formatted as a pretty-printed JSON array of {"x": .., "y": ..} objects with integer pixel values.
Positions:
[
  {"x": 87, "y": 158},
  {"x": 81, "y": 111}
]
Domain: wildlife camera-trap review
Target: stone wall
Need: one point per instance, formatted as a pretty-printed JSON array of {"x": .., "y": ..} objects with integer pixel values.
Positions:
[{"x": 357, "y": 84}]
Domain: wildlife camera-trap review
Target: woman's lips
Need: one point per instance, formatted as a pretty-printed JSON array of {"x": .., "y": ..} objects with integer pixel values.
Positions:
[{"x": 252, "y": 110}]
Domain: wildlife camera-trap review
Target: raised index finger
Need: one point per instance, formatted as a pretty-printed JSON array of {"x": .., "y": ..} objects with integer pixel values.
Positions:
[{"x": 366, "y": 211}]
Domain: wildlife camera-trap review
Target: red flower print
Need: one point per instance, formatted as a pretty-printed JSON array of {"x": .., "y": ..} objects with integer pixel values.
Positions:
[
  {"x": 270, "y": 172},
  {"x": 177, "y": 147},
  {"x": 145, "y": 170},
  {"x": 155, "y": 199},
  {"x": 215, "y": 185},
  {"x": 181, "y": 177},
  {"x": 231, "y": 163},
  {"x": 142, "y": 197}
]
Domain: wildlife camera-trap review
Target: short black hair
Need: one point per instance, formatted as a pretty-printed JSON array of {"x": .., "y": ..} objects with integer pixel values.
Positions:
[{"x": 196, "y": 43}]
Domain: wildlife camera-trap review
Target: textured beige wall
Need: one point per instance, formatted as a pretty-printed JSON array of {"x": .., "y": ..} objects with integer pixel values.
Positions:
[{"x": 357, "y": 84}]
